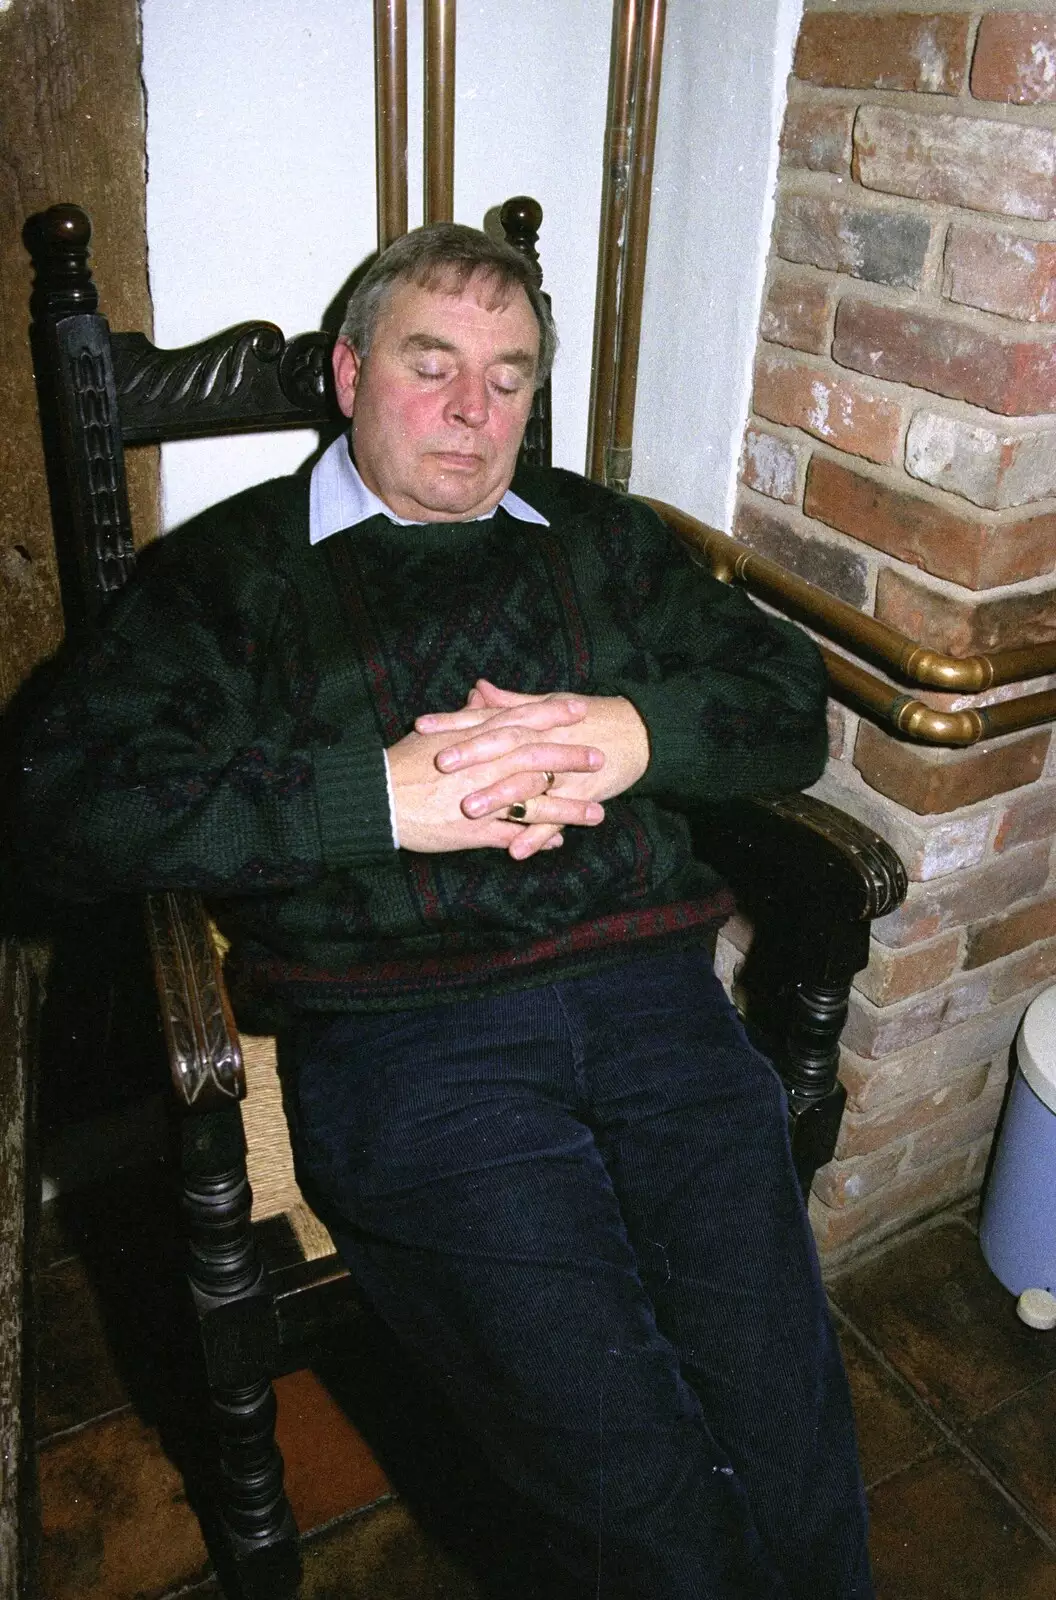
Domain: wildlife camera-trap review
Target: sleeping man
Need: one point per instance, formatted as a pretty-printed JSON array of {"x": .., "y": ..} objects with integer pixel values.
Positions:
[{"x": 426, "y": 730}]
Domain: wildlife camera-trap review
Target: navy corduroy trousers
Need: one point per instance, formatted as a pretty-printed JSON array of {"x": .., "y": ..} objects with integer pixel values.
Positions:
[{"x": 575, "y": 1206}]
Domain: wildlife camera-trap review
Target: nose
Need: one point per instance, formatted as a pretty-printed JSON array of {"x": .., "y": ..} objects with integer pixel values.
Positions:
[{"x": 467, "y": 401}]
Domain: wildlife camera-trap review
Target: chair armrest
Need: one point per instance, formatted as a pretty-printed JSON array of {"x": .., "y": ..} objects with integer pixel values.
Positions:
[
  {"x": 205, "y": 1056},
  {"x": 825, "y": 864},
  {"x": 811, "y": 880}
]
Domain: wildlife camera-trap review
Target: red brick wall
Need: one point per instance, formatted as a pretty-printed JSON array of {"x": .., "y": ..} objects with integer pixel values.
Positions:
[{"x": 902, "y": 454}]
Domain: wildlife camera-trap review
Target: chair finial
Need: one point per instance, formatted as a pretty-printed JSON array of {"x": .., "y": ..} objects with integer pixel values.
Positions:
[
  {"x": 58, "y": 240},
  {"x": 521, "y": 219}
]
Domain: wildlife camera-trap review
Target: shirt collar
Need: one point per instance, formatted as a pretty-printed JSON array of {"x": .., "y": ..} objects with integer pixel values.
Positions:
[{"x": 340, "y": 499}]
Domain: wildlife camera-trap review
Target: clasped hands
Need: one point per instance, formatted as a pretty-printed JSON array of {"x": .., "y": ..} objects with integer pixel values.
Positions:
[{"x": 453, "y": 793}]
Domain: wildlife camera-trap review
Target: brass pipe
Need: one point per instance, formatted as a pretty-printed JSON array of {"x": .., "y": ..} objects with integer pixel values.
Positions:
[
  {"x": 1025, "y": 711},
  {"x": 926, "y": 724},
  {"x": 626, "y": 21},
  {"x": 866, "y": 692},
  {"x": 439, "y": 110},
  {"x": 646, "y": 110},
  {"x": 390, "y": 117},
  {"x": 915, "y": 663}
]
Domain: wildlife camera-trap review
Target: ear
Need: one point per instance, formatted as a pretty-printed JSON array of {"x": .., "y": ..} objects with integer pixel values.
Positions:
[{"x": 346, "y": 365}]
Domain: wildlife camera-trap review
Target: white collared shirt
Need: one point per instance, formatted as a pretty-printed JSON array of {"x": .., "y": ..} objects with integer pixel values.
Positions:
[{"x": 338, "y": 498}]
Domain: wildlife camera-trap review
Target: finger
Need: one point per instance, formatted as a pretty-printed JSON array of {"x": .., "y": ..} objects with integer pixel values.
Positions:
[
  {"x": 492, "y": 695},
  {"x": 526, "y": 783},
  {"x": 475, "y": 700},
  {"x": 534, "y": 839},
  {"x": 560, "y": 810},
  {"x": 555, "y": 711},
  {"x": 494, "y": 743},
  {"x": 528, "y": 839},
  {"x": 502, "y": 835},
  {"x": 512, "y": 700},
  {"x": 564, "y": 812},
  {"x": 452, "y": 721}
]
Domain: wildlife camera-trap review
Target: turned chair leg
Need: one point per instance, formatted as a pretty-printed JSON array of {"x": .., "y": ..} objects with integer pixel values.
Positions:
[
  {"x": 240, "y": 1344},
  {"x": 809, "y": 1057},
  {"x": 808, "y": 1066}
]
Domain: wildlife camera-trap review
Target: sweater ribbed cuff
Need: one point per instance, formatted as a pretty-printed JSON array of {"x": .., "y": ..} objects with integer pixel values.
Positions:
[
  {"x": 352, "y": 796},
  {"x": 674, "y": 752}
]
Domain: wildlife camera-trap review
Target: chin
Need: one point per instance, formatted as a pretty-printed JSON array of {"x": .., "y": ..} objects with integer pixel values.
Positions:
[{"x": 458, "y": 499}]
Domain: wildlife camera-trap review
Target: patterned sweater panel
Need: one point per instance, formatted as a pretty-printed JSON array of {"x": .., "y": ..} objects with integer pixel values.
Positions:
[
  {"x": 226, "y": 731},
  {"x": 184, "y": 747}
]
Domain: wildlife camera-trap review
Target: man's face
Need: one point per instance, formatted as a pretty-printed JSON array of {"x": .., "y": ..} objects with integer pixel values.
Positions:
[{"x": 440, "y": 401}]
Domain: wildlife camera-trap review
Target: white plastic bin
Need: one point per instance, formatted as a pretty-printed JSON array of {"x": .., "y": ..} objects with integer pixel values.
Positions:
[{"x": 1018, "y": 1226}]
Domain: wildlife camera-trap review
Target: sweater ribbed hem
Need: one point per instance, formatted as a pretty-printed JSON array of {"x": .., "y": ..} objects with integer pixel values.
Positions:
[{"x": 397, "y": 981}]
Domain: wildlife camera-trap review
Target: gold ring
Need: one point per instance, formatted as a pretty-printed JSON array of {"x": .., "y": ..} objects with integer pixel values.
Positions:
[
  {"x": 551, "y": 779},
  {"x": 517, "y": 812}
]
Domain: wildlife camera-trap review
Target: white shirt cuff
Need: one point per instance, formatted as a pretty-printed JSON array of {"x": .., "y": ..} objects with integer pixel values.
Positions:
[{"x": 392, "y": 802}]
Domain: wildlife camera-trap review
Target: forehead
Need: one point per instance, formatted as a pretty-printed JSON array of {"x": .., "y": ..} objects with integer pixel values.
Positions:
[{"x": 478, "y": 316}]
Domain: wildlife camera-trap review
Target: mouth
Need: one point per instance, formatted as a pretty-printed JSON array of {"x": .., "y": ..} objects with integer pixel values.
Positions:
[{"x": 457, "y": 460}]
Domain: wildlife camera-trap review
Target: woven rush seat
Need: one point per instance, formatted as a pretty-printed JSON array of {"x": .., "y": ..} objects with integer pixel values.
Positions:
[{"x": 269, "y": 1159}]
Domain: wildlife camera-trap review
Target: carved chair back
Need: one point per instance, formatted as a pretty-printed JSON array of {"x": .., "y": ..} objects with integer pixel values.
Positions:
[{"x": 104, "y": 391}]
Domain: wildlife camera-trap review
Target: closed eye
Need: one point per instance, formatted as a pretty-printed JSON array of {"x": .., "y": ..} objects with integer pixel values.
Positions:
[{"x": 507, "y": 382}]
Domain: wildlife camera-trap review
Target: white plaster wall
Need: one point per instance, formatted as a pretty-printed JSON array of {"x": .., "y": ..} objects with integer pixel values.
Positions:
[
  {"x": 260, "y": 192},
  {"x": 260, "y": 198},
  {"x": 722, "y": 100}
]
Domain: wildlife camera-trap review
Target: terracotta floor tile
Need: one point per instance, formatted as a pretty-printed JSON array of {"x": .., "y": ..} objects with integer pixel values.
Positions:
[
  {"x": 940, "y": 1316},
  {"x": 1018, "y": 1443},
  {"x": 78, "y": 1377},
  {"x": 891, "y": 1430},
  {"x": 116, "y": 1524},
  {"x": 941, "y": 1532},
  {"x": 329, "y": 1468},
  {"x": 385, "y": 1555}
]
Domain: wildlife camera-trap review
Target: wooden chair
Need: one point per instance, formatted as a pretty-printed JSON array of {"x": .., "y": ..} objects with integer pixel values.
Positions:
[{"x": 262, "y": 1269}]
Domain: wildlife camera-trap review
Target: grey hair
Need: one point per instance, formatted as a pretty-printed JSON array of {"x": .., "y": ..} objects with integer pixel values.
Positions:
[{"x": 446, "y": 256}]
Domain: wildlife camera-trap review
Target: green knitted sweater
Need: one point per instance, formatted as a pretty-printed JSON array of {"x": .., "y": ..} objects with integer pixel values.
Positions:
[{"x": 225, "y": 731}]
